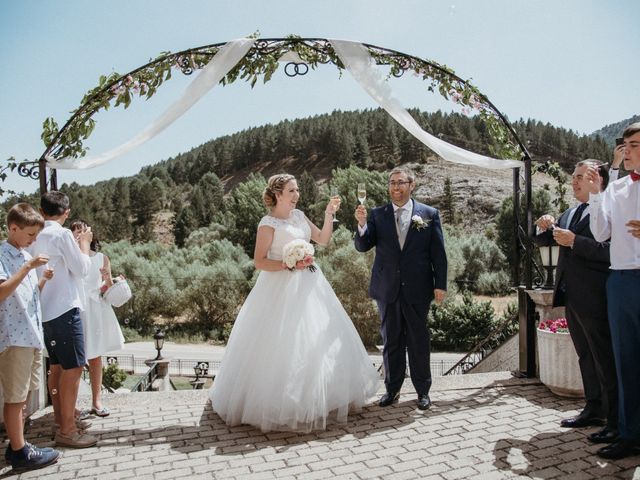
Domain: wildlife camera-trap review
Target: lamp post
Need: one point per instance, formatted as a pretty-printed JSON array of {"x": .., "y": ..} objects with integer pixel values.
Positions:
[
  {"x": 200, "y": 369},
  {"x": 158, "y": 339},
  {"x": 549, "y": 255}
]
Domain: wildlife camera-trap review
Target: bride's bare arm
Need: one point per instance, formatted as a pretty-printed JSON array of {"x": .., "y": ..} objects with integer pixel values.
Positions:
[
  {"x": 322, "y": 237},
  {"x": 264, "y": 238}
]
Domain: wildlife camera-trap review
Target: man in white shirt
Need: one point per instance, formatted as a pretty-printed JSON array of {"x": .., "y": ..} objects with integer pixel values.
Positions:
[
  {"x": 62, "y": 301},
  {"x": 616, "y": 214}
]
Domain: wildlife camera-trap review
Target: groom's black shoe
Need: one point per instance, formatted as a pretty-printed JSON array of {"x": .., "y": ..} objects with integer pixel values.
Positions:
[
  {"x": 389, "y": 398},
  {"x": 585, "y": 419},
  {"x": 606, "y": 435},
  {"x": 619, "y": 449},
  {"x": 424, "y": 401}
]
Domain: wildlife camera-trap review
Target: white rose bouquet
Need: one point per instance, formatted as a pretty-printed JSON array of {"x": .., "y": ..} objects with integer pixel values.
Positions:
[{"x": 298, "y": 254}]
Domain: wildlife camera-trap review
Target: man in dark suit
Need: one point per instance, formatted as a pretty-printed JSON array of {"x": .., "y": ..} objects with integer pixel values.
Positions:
[
  {"x": 410, "y": 270},
  {"x": 580, "y": 286}
]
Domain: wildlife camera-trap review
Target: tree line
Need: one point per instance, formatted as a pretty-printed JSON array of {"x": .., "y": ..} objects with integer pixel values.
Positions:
[{"x": 191, "y": 187}]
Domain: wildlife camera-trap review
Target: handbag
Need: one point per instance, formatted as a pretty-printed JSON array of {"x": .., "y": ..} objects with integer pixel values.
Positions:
[{"x": 119, "y": 293}]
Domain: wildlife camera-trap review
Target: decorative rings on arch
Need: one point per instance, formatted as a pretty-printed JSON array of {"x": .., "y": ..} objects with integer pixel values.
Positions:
[{"x": 293, "y": 69}]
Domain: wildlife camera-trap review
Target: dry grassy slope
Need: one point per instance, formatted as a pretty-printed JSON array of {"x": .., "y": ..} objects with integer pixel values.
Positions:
[{"x": 478, "y": 192}]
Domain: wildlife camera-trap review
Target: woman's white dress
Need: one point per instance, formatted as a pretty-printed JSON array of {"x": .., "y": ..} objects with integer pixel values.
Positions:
[
  {"x": 294, "y": 358},
  {"x": 102, "y": 331}
]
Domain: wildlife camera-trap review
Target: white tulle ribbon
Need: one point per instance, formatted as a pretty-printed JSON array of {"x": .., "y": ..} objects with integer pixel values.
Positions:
[
  {"x": 358, "y": 62},
  {"x": 223, "y": 61}
]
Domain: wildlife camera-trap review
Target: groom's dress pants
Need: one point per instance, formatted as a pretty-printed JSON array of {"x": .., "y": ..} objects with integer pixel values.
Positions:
[{"x": 404, "y": 328}]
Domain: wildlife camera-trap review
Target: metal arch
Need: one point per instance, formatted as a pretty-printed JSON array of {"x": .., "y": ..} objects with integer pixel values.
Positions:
[
  {"x": 185, "y": 60},
  {"x": 265, "y": 46}
]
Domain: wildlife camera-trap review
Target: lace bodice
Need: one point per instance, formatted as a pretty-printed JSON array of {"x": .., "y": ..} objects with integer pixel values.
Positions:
[{"x": 292, "y": 228}]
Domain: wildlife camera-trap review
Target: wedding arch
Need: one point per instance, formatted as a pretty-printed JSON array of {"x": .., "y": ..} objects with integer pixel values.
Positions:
[{"x": 252, "y": 59}]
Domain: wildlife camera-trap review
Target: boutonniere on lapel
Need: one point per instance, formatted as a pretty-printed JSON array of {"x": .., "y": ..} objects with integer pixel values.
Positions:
[{"x": 419, "y": 223}]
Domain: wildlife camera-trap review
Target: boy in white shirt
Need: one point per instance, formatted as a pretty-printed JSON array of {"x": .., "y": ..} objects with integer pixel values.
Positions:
[
  {"x": 62, "y": 301},
  {"x": 616, "y": 213}
]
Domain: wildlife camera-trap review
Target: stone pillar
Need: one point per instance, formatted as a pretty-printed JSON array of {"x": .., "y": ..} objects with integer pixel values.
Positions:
[
  {"x": 544, "y": 300},
  {"x": 162, "y": 383}
]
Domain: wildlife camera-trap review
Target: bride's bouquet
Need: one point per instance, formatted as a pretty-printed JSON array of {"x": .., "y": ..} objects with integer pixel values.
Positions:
[{"x": 298, "y": 254}]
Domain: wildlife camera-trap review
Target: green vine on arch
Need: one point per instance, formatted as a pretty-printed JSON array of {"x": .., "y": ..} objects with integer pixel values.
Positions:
[{"x": 261, "y": 62}]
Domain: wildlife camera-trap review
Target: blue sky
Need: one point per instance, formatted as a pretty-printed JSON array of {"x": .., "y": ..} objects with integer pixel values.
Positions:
[{"x": 572, "y": 63}]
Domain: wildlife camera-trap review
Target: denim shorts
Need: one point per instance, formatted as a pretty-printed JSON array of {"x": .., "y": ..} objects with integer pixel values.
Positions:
[{"x": 64, "y": 339}]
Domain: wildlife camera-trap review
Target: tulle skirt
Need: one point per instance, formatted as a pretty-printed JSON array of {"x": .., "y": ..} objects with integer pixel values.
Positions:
[{"x": 294, "y": 359}]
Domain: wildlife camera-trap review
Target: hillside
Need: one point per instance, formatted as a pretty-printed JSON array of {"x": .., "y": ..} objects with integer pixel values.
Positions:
[
  {"x": 194, "y": 189},
  {"x": 610, "y": 132}
]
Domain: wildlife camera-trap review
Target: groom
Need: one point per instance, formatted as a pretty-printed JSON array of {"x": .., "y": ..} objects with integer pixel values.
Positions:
[{"x": 410, "y": 270}]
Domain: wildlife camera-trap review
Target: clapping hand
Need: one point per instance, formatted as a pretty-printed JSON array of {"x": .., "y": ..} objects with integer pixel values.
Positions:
[
  {"x": 564, "y": 237},
  {"x": 545, "y": 222}
]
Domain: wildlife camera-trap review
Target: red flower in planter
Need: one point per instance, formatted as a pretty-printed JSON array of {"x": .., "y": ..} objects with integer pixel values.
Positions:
[{"x": 555, "y": 325}]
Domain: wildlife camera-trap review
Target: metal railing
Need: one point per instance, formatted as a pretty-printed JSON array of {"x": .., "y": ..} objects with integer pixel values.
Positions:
[
  {"x": 479, "y": 352},
  {"x": 177, "y": 366},
  {"x": 146, "y": 380}
]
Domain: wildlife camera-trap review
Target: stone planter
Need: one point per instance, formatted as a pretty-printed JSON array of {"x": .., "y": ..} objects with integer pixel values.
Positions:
[{"x": 558, "y": 364}]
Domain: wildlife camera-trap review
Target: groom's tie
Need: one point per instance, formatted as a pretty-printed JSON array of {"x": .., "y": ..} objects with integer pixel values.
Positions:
[{"x": 401, "y": 227}]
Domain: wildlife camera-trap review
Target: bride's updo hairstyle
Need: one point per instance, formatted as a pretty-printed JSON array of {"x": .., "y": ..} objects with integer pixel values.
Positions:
[{"x": 275, "y": 185}]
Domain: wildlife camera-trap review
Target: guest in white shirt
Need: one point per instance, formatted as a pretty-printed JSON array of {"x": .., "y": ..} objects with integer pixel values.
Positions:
[
  {"x": 616, "y": 214},
  {"x": 62, "y": 301}
]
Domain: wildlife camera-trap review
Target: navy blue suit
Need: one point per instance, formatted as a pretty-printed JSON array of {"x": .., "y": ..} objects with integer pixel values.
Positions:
[{"x": 402, "y": 283}]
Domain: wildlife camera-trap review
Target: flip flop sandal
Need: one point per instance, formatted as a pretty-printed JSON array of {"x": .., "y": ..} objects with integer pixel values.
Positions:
[{"x": 101, "y": 412}]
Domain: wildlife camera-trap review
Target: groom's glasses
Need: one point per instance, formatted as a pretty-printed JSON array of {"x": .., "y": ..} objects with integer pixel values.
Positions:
[{"x": 400, "y": 183}]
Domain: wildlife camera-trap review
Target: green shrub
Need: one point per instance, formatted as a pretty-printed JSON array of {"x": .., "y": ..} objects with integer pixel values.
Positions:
[
  {"x": 113, "y": 377},
  {"x": 459, "y": 326},
  {"x": 493, "y": 283}
]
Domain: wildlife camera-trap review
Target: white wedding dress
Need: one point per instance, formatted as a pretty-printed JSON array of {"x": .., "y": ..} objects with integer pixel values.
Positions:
[{"x": 294, "y": 358}]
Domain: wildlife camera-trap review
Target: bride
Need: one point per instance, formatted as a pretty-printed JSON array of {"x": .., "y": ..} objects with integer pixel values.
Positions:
[{"x": 294, "y": 358}]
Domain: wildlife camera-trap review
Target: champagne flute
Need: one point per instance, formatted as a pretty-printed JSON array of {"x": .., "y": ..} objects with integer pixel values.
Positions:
[
  {"x": 334, "y": 195},
  {"x": 362, "y": 193}
]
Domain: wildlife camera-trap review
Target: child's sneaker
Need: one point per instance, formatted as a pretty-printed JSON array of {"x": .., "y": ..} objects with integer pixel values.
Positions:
[
  {"x": 31, "y": 457},
  {"x": 8, "y": 453}
]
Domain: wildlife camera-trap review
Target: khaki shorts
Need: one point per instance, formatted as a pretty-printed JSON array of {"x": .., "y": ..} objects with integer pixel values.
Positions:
[{"x": 20, "y": 370}]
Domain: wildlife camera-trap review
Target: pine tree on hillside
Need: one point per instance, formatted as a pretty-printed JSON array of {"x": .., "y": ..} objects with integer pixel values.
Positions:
[
  {"x": 309, "y": 192},
  {"x": 448, "y": 205},
  {"x": 184, "y": 224},
  {"x": 120, "y": 227}
]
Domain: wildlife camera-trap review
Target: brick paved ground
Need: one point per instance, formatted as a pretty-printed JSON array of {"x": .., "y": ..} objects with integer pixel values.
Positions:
[{"x": 485, "y": 426}]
